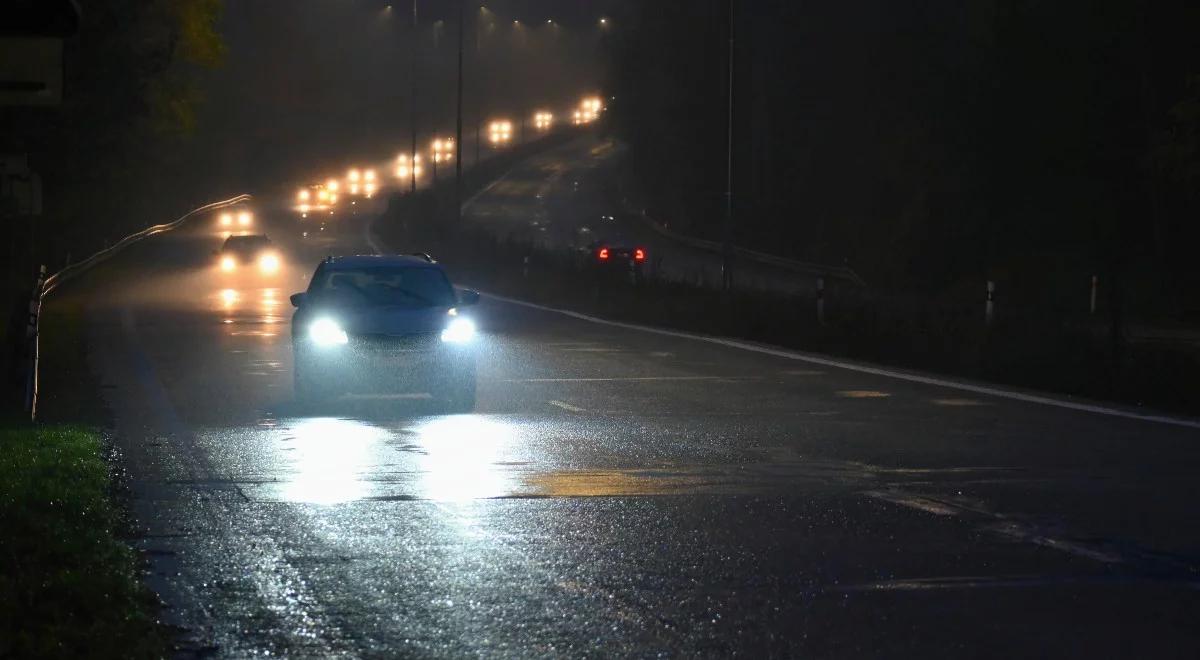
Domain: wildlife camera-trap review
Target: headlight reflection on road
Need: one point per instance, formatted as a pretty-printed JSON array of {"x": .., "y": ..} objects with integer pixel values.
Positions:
[
  {"x": 229, "y": 298},
  {"x": 329, "y": 460},
  {"x": 460, "y": 455}
]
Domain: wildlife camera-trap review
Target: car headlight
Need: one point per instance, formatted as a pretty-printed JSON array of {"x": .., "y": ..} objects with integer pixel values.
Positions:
[
  {"x": 268, "y": 263},
  {"x": 458, "y": 331},
  {"x": 326, "y": 332},
  {"x": 228, "y": 264}
]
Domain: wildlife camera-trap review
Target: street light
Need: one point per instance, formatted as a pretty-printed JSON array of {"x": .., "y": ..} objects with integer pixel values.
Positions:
[
  {"x": 443, "y": 151},
  {"x": 408, "y": 167},
  {"x": 588, "y": 111},
  {"x": 542, "y": 120},
  {"x": 500, "y": 132}
]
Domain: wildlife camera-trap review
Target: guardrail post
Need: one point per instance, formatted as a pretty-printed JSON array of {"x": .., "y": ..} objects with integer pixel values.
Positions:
[
  {"x": 47, "y": 284},
  {"x": 1092, "y": 302},
  {"x": 990, "y": 308},
  {"x": 821, "y": 300},
  {"x": 31, "y": 340}
]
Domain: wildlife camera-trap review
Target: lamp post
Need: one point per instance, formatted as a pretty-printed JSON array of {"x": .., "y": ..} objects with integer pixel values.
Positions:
[
  {"x": 413, "y": 96},
  {"x": 458, "y": 122},
  {"x": 727, "y": 229}
]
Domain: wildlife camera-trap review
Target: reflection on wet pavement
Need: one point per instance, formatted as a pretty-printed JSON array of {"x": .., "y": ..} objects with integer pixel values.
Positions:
[
  {"x": 250, "y": 305},
  {"x": 329, "y": 460},
  {"x": 458, "y": 457}
]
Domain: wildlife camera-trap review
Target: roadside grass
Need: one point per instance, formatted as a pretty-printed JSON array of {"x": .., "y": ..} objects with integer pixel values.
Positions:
[{"x": 69, "y": 586}]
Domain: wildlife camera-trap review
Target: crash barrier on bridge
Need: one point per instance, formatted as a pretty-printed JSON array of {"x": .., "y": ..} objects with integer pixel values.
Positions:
[
  {"x": 47, "y": 284},
  {"x": 844, "y": 273}
]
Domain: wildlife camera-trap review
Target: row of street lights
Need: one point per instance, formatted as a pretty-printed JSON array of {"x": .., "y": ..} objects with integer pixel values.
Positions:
[
  {"x": 441, "y": 150},
  {"x": 410, "y": 166},
  {"x": 500, "y": 131}
]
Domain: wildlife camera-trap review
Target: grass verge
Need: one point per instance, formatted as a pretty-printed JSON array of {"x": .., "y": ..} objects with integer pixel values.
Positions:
[{"x": 69, "y": 586}]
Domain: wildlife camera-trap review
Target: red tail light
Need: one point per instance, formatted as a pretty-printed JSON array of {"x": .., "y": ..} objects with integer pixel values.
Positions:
[
  {"x": 602, "y": 254},
  {"x": 639, "y": 255}
]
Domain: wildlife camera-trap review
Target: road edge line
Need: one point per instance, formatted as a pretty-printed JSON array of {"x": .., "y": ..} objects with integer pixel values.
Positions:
[
  {"x": 988, "y": 390},
  {"x": 830, "y": 362}
]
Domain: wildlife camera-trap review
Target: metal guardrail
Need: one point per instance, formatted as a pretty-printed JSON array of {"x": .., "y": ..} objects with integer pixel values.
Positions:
[
  {"x": 833, "y": 272},
  {"x": 47, "y": 284}
]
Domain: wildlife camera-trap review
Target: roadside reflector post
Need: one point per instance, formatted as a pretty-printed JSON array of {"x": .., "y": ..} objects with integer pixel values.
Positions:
[
  {"x": 989, "y": 310},
  {"x": 525, "y": 268},
  {"x": 821, "y": 300},
  {"x": 1092, "y": 303},
  {"x": 31, "y": 337}
]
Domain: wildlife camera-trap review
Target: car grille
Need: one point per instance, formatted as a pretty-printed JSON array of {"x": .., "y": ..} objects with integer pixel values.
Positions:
[{"x": 411, "y": 343}]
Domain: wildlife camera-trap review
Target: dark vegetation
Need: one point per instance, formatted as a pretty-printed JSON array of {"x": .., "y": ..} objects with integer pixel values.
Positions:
[
  {"x": 120, "y": 152},
  {"x": 69, "y": 587},
  {"x": 932, "y": 146}
]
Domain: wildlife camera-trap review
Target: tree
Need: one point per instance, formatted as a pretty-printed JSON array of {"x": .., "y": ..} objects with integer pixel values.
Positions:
[{"x": 131, "y": 94}]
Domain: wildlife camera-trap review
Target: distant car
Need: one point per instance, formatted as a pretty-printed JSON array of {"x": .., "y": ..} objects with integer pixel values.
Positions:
[
  {"x": 384, "y": 324},
  {"x": 319, "y": 199},
  {"x": 249, "y": 251},
  {"x": 237, "y": 219},
  {"x": 617, "y": 257}
]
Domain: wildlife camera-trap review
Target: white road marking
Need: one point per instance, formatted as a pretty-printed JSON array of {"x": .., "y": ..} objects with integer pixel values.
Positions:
[
  {"x": 862, "y": 394},
  {"x": 623, "y": 379},
  {"x": 960, "y": 403},
  {"x": 566, "y": 406},
  {"x": 1000, "y": 525},
  {"x": 989, "y": 390}
]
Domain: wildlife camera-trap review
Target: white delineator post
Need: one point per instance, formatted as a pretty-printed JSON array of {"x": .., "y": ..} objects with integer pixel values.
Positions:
[
  {"x": 31, "y": 339},
  {"x": 1092, "y": 302},
  {"x": 990, "y": 308},
  {"x": 821, "y": 300}
]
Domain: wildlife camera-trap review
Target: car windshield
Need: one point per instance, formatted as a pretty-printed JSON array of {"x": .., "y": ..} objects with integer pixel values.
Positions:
[
  {"x": 384, "y": 286},
  {"x": 246, "y": 242}
]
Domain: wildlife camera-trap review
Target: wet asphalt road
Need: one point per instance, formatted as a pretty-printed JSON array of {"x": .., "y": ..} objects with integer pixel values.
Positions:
[{"x": 620, "y": 492}]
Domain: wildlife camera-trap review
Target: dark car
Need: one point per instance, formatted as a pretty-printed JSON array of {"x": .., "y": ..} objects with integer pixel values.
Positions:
[
  {"x": 239, "y": 252},
  {"x": 616, "y": 257},
  {"x": 384, "y": 324}
]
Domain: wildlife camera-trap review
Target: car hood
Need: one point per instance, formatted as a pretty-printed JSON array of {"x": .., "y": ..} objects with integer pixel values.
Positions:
[{"x": 389, "y": 320}]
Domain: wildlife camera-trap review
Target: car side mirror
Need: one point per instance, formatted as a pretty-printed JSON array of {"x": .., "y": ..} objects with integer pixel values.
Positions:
[
  {"x": 467, "y": 297},
  {"x": 298, "y": 299}
]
